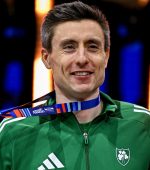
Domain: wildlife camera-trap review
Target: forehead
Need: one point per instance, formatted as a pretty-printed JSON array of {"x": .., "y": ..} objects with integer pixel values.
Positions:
[{"x": 78, "y": 30}]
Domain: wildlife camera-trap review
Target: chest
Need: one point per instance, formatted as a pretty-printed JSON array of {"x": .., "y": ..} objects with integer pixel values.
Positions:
[{"x": 115, "y": 147}]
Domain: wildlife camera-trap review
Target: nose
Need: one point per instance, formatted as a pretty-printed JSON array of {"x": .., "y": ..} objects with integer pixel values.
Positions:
[{"x": 81, "y": 58}]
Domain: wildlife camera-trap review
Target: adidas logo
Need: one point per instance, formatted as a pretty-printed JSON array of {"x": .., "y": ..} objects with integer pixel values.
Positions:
[{"x": 52, "y": 163}]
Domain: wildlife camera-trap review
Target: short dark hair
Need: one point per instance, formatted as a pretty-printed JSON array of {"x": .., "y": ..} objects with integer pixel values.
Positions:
[{"x": 73, "y": 11}]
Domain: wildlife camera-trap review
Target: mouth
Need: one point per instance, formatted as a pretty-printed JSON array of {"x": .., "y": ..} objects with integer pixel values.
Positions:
[{"x": 81, "y": 73}]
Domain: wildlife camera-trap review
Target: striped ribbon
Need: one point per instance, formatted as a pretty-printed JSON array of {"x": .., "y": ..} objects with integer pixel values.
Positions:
[{"x": 50, "y": 110}]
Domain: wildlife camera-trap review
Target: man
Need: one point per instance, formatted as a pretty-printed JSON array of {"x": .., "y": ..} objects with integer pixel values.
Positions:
[{"x": 85, "y": 129}]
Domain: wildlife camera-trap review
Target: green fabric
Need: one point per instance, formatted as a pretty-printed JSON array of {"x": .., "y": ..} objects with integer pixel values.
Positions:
[
  {"x": 50, "y": 102},
  {"x": 25, "y": 144},
  {"x": 85, "y": 126}
]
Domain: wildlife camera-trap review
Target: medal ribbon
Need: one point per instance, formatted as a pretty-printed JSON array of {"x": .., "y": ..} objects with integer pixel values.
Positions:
[{"x": 22, "y": 111}]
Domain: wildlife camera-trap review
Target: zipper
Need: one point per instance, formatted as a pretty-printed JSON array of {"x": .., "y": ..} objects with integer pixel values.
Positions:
[
  {"x": 86, "y": 143},
  {"x": 86, "y": 140},
  {"x": 85, "y": 135}
]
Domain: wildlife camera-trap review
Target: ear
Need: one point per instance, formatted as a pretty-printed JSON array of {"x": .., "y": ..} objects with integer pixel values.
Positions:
[
  {"x": 45, "y": 58},
  {"x": 107, "y": 53}
]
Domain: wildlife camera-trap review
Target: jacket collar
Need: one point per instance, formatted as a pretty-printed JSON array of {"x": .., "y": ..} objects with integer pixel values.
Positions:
[{"x": 109, "y": 104}]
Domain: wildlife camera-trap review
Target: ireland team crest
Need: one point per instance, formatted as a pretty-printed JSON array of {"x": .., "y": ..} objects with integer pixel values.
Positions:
[{"x": 123, "y": 156}]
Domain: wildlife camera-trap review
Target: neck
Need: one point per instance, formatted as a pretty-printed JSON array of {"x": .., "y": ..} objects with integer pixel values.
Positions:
[
  {"x": 83, "y": 116},
  {"x": 86, "y": 116}
]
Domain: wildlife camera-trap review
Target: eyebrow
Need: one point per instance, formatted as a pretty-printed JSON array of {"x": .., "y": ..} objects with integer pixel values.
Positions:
[
  {"x": 67, "y": 41},
  {"x": 95, "y": 40},
  {"x": 90, "y": 40}
]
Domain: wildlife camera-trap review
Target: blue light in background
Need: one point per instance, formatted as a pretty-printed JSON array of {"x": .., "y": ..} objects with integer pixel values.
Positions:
[
  {"x": 13, "y": 82},
  {"x": 122, "y": 30},
  {"x": 14, "y": 32},
  {"x": 131, "y": 71},
  {"x": 7, "y": 105}
]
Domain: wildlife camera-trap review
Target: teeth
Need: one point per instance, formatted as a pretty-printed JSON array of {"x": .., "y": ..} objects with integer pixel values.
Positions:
[{"x": 81, "y": 73}]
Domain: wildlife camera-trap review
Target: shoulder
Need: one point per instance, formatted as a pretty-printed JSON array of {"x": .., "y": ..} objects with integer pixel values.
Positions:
[
  {"x": 133, "y": 112},
  {"x": 12, "y": 127},
  {"x": 17, "y": 123},
  {"x": 126, "y": 110}
]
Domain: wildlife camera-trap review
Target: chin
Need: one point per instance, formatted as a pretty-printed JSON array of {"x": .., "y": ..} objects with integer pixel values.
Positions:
[{"x": 83, "y": 90}]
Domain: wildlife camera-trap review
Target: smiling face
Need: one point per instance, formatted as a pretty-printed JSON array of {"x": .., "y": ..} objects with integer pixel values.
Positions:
[{"x": 78, "y": 59}]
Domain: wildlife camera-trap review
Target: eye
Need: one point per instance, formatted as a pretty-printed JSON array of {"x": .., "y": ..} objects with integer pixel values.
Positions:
[
  {"x": 69, "y": 47},
  {"x": 93, "y": 47}
]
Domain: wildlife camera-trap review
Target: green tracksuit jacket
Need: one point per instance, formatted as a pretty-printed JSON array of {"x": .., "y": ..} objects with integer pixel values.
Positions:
[{"x": 118, "y": 139}]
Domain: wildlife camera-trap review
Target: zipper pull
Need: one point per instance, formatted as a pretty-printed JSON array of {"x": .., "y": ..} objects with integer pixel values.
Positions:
[{"x": 86, "y": 140}]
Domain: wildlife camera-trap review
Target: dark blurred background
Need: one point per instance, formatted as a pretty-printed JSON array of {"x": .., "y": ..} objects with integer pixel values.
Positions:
[{"x": 128, "y": 70}]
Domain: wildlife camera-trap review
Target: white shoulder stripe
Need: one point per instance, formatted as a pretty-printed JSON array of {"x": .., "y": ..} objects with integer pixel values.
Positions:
[
  {"x": 5, "y": 119},
  {"x": 9, "y": 121},
  {"x": 142, "y": 111},
  {"x": 139, "y": 107}
]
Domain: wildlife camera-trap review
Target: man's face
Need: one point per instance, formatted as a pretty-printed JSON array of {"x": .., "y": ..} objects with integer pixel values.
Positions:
[{"x": 78, "y": 59}]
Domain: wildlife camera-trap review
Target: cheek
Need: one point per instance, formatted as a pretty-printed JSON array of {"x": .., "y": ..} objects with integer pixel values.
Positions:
[
  {"x": 67, "y": 63},
  {"x": 100, "y": 62},
  {"x": 60, "y": 68},
  {"x": 100, "y": 65},
  {"x": 55, "y": 61}
]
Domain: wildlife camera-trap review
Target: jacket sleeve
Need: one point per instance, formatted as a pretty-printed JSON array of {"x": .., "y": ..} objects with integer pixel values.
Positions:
[{"x": 5, "y": 147}]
